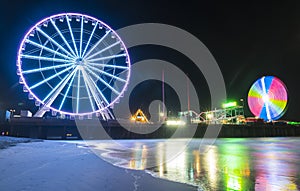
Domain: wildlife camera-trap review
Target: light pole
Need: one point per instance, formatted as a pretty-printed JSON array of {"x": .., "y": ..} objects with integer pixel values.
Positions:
[
  {"x": 12, "y": 112},
  {"x": 242, "y": 100}
]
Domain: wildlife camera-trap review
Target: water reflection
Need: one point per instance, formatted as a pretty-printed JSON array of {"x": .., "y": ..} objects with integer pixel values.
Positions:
[
  {"x": 139, "y": 157},
  {"x": 210, "y": 165},
  {"x": 231, "y": 164},
  {"x": 278, "y": 173},
  {"x": 197, "y": 163},
  {"x": 234, "y": 161}
]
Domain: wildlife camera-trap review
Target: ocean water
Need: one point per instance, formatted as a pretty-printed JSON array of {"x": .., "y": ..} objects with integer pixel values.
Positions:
[{"x": 263, "y": 164}]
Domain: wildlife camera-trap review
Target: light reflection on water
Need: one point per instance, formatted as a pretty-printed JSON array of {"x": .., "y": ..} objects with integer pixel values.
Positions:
[{"x": 231, "y": 164}]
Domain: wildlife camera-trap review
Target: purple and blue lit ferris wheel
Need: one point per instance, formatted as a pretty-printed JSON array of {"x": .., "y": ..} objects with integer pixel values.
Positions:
[{"x": 73, "y": 64}]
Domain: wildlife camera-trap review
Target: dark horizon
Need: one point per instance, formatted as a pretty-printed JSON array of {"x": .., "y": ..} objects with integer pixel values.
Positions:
[{"x": 247, "y": 40}]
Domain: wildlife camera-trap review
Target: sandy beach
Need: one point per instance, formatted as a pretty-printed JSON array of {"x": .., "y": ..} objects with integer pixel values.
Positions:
[
  {"x": 6, "y": 142},
  {"x": 54, "y": 165}
]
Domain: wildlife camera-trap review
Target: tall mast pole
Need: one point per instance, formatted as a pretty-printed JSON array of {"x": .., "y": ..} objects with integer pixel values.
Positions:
[
  {"x": 163, "y": 93},
  {"x": 188, "y": 92}
]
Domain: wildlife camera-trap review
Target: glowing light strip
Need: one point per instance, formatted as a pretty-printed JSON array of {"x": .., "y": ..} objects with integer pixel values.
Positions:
[
  {"x": 72, "y": 36},
  {"x": 86, "y": 46},
  {"x": 99, "y": 41},
  {"x": 99, "y": 91},
  {"x": 64, "y": 80},
  {"x": 43, "y": 58},
  {"x": 81, "y": 33},
  {"x": 105, "y": 73},
  {"x": 48, "y": 49},
  {"x": 68, "y": 89},
  {"x": 104, "y": 82},
  {"x": 45, "y": 68},
  {"x": 92, "y": 87},
  {"x": 89, "y": 94},
  {"x": 104, "y": 49},
  {"x": 107, "y": 57},
  {"x": 88, "y": 91},
  {"x": 107, "y": 65},
  {"x": 266, "y": 102},
  {"x": 55, "y": 94},
  {"x": 78, "y": 92},
  {"x": 54, "y": 42},
  {"x": 51, "y": 77},
  {"x": 62, "y": 36}
]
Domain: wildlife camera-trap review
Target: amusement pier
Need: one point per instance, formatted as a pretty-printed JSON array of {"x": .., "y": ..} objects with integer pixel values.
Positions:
[
  {"x": 76, "y": 69},
  {"x": 228, "y": 122}
]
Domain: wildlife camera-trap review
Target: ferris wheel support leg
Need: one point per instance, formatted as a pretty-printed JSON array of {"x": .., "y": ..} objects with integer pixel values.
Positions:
[
  {"x": 41, "y": 112},
  {"x": 53, "y": 94},
  {"x": 107, "y": 115}
]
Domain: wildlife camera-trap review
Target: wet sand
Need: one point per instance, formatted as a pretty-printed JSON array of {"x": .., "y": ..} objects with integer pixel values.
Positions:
[
  {"x": 54, "y": 165},
  {"x": 6, "y": 141}
]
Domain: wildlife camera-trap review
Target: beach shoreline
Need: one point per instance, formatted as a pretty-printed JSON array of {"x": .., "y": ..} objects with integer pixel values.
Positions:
[
  {"x": 51, "y": 165},
  {"x": 7, "y": 141}
]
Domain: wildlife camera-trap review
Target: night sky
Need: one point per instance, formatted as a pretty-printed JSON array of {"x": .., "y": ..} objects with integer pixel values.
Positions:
[{"x": 247, "y": 40}]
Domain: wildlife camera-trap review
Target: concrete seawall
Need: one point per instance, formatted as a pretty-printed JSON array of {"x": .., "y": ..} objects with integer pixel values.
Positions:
[{"x": 67, "y": 129}]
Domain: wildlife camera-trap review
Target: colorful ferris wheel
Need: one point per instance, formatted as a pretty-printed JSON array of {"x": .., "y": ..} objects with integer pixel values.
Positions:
[{"x": 267, "y": 98}]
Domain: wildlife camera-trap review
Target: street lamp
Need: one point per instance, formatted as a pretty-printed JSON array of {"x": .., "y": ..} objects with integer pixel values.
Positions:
[
  {"x": 12, "y": 112},
  {"x": 242, "y": 100}
]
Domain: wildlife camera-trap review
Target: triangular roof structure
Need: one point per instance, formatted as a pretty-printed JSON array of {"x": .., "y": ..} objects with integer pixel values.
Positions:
[{"x": 139, "y": 116}]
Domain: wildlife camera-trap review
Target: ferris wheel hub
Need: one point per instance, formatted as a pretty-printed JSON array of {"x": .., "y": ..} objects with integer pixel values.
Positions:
[{"x": 79, "y": 61}]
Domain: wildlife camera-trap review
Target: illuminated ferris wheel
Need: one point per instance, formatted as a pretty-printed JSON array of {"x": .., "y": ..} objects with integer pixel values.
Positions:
[
  {"x": 267, "y": 98},
  {"x": 73, "y": 64}
]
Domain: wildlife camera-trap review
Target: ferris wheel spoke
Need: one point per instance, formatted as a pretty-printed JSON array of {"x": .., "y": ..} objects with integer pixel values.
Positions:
[
  {"x": 51, "y": 77},
  {"x": 46, "y": 68},
  {"x": 89, "y": 93},
  {"x": 104, "y": 49},
  {"x": 91, "y": 35},
  {"x": 108, "y": 65},
  {"x": 87, "y": 86},
  {"x": 48, "y": 49},
  {"x": 62, "y": 37},
  {"x": 93, "y": 87},
  {"x": 54, "y": 42},
  {"x": 72, "y": 36},
  {"x": 105, "y": 73},
  {"x": 81, "y": 34},
  {"x": 57, "y": 89},
  {"x": 68, "y": 89},
  {"x": 78, "y": 91},
  {"x": 101, "y": 94},
  {"x": 106, "y": 57},
  {"x": 43, "y": 58},
  {"x": 99, "y": 41},
  {"x": 266, "y": 102},
  {"x": 103, "y": 81}
]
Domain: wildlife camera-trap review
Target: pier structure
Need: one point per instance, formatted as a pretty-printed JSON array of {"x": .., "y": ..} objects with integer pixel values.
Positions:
[{"x": 230, "y": 115}]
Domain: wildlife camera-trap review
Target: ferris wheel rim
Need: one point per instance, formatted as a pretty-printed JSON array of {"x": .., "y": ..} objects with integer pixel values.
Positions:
[{"x": 23, "y": 79}]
